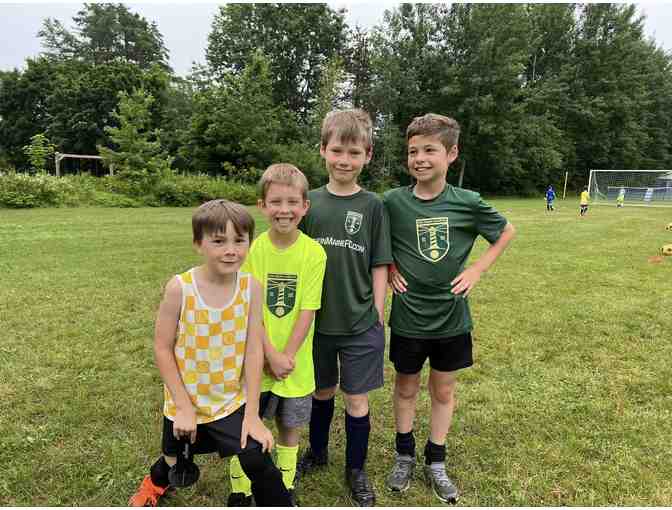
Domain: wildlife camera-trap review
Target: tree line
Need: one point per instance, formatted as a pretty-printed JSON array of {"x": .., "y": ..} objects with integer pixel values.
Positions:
[{"x": 539, "y": 89}]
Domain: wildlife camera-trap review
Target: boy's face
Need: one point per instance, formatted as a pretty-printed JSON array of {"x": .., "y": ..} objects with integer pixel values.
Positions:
[
  {"x": 284, "y": 207},
  {"x": 428, "y": 159},
  {"x": 344, "y": 160},
  {"x": 225, "y": 251}
]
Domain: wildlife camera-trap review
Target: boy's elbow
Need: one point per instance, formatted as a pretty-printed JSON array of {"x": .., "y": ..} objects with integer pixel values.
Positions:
[{"x": 511, "y": 230}]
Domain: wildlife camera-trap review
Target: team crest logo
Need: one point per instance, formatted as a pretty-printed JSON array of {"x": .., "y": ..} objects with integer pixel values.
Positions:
[
  {"x": 433, "y": 243},
  {"x": 353, "y": 222},
  {"x": 280, "y": 293}
]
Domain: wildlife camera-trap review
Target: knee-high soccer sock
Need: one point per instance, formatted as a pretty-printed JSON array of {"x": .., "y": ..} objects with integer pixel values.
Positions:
[
  {"x": 434, "y": 452},
  {"x": 320, "y": 421},
  {"x": 405, "y": 443},
  {"x": 356, "y": 441},
  {"x": 267, "y": 485},
  {"x": 287, "y": 463},
  {"x": 239, "y": 480}
]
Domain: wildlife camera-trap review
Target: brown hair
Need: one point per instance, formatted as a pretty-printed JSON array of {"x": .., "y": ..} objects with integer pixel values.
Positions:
[
  {"x": 353, "y": 126},
  {"x": 432, "y": 124},
  {"x": 213, "y": 216},
  {"x": 283, "y": 173}
]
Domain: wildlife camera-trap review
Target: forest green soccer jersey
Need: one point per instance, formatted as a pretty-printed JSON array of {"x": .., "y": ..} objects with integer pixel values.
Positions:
[
  {"x": 431, "y": 241},
  {"x": 354, "y": 232},
  {"x": 292, "y": 281}
]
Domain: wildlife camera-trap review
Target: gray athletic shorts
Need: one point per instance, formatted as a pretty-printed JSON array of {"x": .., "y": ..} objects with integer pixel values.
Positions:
[
  {"x": 292, "y": 412},
  {"x": 361, "y": 358}
]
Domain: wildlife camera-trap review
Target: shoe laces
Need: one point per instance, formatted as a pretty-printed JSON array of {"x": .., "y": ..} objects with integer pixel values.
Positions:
[
  {"x": 402, "y": 465},
  {"x": 361, "y": 483},
  {"x": 440, "y": 477}
]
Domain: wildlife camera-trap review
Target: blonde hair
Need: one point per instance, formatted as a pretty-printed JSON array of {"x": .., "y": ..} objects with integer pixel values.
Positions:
[
  {"x": 283, "y": 173},
  {"x": 431, "y": 124},
  {"x": 353, "y": 125},
  {"x": 213, "y": 216}
]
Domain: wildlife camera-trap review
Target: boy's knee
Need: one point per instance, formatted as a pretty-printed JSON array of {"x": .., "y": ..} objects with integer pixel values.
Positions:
[
  {"x": 443, "y": 393},
  {"x": 255, "y": 463},
  {"x": 325, "y": 393},
  {"x": 357, "y": 405},
  {"x": 407, "y": 386}
]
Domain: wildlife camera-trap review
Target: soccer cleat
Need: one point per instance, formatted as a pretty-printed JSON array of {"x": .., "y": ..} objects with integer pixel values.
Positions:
[
  {"x": 239, "y": 499},
  {"x": 402, "y": 473},
  {"x": 437, "y": 479},
  {"x": 147, "y": 494},
  {"x": 310, "y": 461},
  {"x": 361, "y": 491}
]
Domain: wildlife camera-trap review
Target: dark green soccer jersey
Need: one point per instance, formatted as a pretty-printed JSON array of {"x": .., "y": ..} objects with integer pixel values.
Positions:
[
  {"x": 431, "y": 241},
  {"x": 354, "y": 231}
]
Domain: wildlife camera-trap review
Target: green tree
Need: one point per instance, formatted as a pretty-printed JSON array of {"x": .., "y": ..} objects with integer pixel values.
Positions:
[
  {"x": 38, "y": 151},
  {"x": 138, "y": 156},
  {"x": 106, "y": 33},
  {"x": 297, "y": 38}
]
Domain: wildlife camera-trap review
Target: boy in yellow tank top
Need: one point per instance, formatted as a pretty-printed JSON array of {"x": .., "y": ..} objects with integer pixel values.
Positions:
[
  {"x": 290, "y": 267},
  {"x": 209, "y": 351}
]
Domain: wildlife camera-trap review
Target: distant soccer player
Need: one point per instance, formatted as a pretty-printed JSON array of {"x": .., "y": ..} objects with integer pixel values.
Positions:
[
  {"x": 550, "y": 196},
  {"x": 584, "y": 202},
  {"x": 620, "y": 198}
]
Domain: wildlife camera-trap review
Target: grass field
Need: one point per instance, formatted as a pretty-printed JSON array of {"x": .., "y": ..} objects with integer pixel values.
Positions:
[{"x": 569, "y": 402}]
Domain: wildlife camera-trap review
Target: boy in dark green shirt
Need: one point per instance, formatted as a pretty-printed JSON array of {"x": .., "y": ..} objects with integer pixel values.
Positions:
[
  {"x": 433, "y": 228},
  {"x": 348, "y": 349}
]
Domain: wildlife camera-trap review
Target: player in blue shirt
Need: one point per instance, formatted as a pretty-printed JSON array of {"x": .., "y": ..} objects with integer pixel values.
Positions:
[{"x": 550, "y": 196}]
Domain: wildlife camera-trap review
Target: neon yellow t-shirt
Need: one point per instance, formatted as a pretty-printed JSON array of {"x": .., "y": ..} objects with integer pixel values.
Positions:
[
  {"x": 292, "y": 281},
  {"x": 584, "y": 198}
]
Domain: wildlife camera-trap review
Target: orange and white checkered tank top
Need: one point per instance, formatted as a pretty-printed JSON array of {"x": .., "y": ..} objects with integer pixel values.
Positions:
[{"x": 210, "y": 350}]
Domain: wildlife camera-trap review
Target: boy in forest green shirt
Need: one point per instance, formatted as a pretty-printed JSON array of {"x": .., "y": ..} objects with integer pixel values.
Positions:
[
  {"x": 433, "y": 227},
  {"x": 290, "y": 267}
]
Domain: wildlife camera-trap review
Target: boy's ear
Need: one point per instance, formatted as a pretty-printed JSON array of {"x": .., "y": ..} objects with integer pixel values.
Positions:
[
  {"x": 307, "y": 203},
  {"x": 453, "y": 153},
  {"x": 260, "y": 203},
  {"x": 369, "y": 155},
  {"x": 197, "y": 247},
  {"x": 322, "y": 147}
]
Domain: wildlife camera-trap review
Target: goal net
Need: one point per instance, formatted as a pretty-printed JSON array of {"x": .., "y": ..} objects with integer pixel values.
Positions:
[{"x": 637, "y": 187}]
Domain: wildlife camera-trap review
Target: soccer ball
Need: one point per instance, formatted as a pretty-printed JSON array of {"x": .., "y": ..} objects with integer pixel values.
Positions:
[
  {"x": 669, "y": 227},
  {"x": 666, "y": 250}
]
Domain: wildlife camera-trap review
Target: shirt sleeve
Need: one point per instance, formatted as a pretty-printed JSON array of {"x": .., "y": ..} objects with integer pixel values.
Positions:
[
  {"x": 381, "y": 245},
  {"x": 489, "y": 223},
  {"x": 313, "y": 273}
]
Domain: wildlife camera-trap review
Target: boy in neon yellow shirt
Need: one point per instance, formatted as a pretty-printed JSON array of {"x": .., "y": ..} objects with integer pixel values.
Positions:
[
  {"x": 290, "y": 267},
  {"x": 584, "y": 202}
]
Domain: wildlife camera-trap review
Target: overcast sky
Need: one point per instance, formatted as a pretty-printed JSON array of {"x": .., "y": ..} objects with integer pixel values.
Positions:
[{"x": 185, "y": 26}]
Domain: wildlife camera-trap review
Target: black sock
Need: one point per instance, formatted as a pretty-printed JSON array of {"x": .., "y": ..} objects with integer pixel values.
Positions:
[
  {"x": 320, "y": 421},
  {"x": 434, "y": 452},
  {"x": 268, "y": 488},
  {"x": 159, "y": 473},
  {"x": 356, "y": 440},
  {"x": 405, "y": 443}
]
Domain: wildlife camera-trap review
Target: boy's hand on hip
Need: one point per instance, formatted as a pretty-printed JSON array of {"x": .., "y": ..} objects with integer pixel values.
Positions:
[
  {"x": 184, "y": 426},
  {"x": 255, "y": 428},
  {"x": 466, "y": 281},
  {"x": 397, "y": 282}
]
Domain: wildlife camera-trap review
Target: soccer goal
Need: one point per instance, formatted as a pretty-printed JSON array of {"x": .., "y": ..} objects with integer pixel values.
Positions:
[{"x": 650, "y": 188}]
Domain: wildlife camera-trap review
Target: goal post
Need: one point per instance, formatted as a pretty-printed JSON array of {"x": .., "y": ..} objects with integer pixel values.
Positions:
[{"x": 647, "y": 188}]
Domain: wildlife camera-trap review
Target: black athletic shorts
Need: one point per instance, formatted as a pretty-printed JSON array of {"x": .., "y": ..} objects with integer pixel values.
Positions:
[
  {"x": 445, "y": 354},
  {"x": 221, "y": 436}
]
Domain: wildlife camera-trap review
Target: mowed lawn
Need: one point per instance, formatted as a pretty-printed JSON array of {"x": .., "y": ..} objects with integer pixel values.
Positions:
[{"x": 569, "y": 401}]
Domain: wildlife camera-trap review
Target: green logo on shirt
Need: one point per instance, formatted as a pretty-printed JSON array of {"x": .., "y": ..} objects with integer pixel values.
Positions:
[
  {"x": 281, "y": 293},
  {"x": 353, "y": 222},
  {"x": 433, "y": 243}
]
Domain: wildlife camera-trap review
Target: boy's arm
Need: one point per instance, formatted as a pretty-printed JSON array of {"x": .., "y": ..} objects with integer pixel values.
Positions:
[
  {"x": 468, "y": 278},
  {"x": 299, "y": 332},
  {"x": 253, "y": 365},
  {"x": 164, "y": 345},
  {"x": 379, "y": 274}
]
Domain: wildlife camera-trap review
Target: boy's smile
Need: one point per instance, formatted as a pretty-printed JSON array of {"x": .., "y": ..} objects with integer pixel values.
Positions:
[
  {"x": 428, "y": 159},
  {"x": 283, "y": 207}
]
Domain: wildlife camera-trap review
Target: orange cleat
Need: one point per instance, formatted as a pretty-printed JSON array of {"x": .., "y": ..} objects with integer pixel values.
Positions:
[{"x": 147, "y": 494}]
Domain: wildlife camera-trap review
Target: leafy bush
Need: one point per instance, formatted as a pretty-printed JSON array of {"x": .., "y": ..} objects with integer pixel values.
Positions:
[
  {"x": 191, "y": 190},
  {"x": 25, "y": 191},
  {"x": 306, "y": 158}
]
